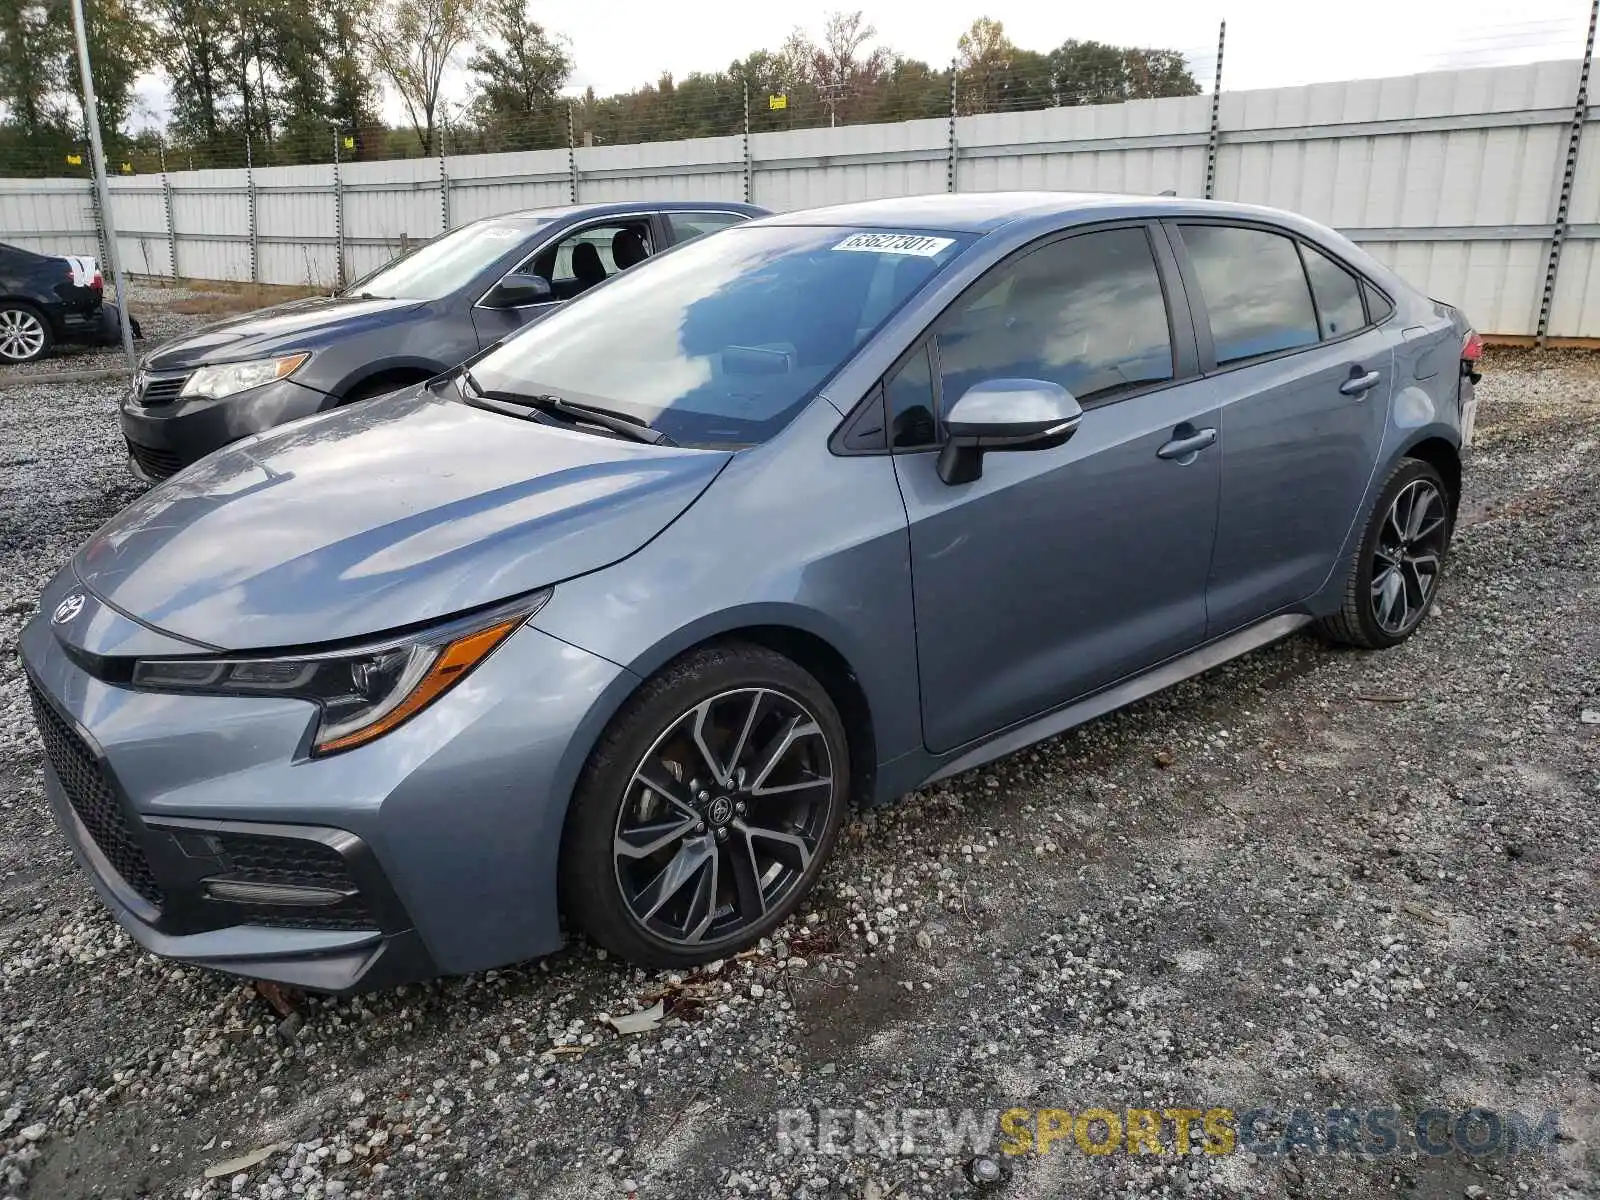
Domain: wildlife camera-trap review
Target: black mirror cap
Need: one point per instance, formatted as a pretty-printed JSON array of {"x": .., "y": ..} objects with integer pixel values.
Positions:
[{"x": 517, "y": 289}]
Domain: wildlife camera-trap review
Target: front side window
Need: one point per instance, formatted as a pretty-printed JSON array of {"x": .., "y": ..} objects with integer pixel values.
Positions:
[
  {"x": 1338, "y": 295},
  {"x": 908, "y": 392},
  {"x": 724, "y": 340},
  {"x": 686, "y": 226},
  {"x": 1086, "y": 312},
  {"x": 592, "y": 255},
  {"x": 1254, "y": 288},
  {"x": 449, "y": 262}
]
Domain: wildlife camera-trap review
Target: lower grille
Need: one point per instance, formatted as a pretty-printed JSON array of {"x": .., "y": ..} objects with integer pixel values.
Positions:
[
  {"x": 92, "y": 797},
  {"x": 297, "y": 862},
  {"x": 158, "y": 464}
]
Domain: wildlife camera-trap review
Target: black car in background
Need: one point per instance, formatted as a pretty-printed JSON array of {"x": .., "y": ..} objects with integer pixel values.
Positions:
[
  {"x": 46, "y": 299},
  {"x": 412, "y": 319}
]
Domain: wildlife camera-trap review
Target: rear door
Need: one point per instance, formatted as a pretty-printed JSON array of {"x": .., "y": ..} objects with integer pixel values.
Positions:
[{"x": 1303, "y": 377}]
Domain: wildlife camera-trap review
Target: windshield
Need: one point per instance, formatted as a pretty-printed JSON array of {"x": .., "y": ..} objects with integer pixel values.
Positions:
[
  {"x": 449, "y": 262},
  {"x": 723, "y": 340}
]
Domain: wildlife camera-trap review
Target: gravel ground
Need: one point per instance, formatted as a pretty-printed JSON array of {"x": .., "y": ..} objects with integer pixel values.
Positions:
[{"x": 1312, "y": 878}]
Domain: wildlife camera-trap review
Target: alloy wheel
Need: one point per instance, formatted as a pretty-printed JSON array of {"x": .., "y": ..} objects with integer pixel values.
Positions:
[
  {"x": 1407, "y": 557},
  {"x": 21, "y": 334},
  {"x": 723, "y": 815}
]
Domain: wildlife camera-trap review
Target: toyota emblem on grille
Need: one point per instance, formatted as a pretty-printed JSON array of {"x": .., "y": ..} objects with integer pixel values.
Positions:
[{"x": 67, "y": 609}]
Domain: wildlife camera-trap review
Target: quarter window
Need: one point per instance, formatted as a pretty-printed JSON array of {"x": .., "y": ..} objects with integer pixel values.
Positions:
[
  {"x": 1254, "y": 288},
  {"x": 1086, "y": 312},
  {"x": 1337, "y": 293},
  {"x": 1377, "y": 304}
]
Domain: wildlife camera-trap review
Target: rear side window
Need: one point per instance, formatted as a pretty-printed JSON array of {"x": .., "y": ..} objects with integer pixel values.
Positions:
[
  {"x": 1254, "y": 288},
  {"x": 1337, "y": 293},
  {"x": 1086, "y": 312},
  {"x": 686, "y": 226}
]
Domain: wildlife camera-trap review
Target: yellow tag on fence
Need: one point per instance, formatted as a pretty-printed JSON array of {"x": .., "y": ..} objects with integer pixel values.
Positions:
[
  {"x": 777, "y": 102},
  {"x": 74, "y": 160},
  {"x": 349, "y": 143}
]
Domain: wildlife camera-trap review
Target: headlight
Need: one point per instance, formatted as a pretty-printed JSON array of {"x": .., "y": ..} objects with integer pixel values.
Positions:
[
  {"x": 225, "y": 379},
  {"x": 363, "y": 693}
]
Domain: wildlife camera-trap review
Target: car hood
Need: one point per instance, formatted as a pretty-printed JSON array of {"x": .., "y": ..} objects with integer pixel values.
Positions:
[
  {"x": 378, "y": 516},
  {"x": 298, "y": 325}
]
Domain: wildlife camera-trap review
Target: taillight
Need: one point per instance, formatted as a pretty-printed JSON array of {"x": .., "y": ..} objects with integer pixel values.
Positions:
[
  {"x": 1471, "y": 352},
  {"x": 98, "y": 283}
]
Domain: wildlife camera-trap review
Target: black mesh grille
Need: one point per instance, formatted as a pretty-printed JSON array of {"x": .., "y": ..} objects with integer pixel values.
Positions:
[
  {"x": 297, "y": 862},
  {"x": 162, "y": 391},
  {"x": 93, "y": 798},
  {"x": 158, "y": 464}
]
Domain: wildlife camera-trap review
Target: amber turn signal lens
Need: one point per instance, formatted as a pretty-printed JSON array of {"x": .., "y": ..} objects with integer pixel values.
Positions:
[{"x": 454, "y": 662}]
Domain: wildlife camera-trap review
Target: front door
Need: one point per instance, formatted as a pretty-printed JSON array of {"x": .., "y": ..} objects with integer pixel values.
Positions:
[{"x": 1057, "y": 571}]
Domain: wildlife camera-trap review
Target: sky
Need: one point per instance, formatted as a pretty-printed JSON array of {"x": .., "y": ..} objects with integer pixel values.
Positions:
[{"x": 620, "y": 44}]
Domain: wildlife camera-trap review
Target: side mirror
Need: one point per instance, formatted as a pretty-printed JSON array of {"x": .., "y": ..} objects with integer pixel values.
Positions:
[
  {"x": 515, "y": 290},
  {"x": 1004, "y": 414}
]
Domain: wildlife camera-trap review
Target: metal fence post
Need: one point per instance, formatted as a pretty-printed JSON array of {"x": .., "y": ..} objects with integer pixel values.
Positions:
[
  {"x": 338, "y": 217},
  {"x": 572, "y": 157},
  {"x": 444, "y": 181},
  {"x": 950, "y": 162},
  {"x": 94, "y": 209},
  {"x": 747, "y": 188},
  {"x": 250, "y": 200},
  {"x": 1558, "y": 230},
  {"x": 1216, "y": 113},
  {"x": 166, "y": 207}
]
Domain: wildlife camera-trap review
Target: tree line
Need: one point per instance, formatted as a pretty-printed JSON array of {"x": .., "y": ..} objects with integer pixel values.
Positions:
[{"x": 299, "y": 81}]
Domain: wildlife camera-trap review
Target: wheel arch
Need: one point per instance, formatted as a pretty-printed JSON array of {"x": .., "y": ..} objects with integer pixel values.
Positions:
[
  {"x": 1443, "y": 456},
  {"x": 372, "y": 382},
  {"x": 805, "y": 642}
]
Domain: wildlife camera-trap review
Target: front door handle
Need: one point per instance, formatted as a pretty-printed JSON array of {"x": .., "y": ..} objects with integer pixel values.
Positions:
[
  {"x": 1185, "y": 447},
  {"x": 1360, "y": 385}
]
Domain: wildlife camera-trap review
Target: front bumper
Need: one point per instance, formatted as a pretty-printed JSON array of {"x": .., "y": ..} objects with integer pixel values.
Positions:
[
  {"x": 165, "y": 433},
  {"x": 429, "y": 851}
]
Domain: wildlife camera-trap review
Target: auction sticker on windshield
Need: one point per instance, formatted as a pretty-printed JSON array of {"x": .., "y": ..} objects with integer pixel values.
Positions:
[{"x": 919, "y": 244}]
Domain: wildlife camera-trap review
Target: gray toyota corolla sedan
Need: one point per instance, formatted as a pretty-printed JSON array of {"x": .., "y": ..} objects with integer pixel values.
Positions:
[{"x": 613, "y": 624}]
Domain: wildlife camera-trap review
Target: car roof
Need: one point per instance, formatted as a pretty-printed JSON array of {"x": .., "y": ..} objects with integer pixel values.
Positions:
[
  {"x": 984, "y": 212},
  {"x": 560, "y": 212}
]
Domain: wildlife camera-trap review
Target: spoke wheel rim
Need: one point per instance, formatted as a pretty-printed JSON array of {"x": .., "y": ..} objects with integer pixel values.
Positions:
[
  {"x": 1408, "y": 556},
  {"x": 723, "y": 816},
  {"x": 21, "y": 334}
]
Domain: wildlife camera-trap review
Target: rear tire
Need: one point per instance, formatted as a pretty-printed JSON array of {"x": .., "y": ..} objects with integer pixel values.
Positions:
[
  {"x": 1394, "y": 577},
  {"x": 751, "y": 771},
  {"x": 24, "y": 333}
]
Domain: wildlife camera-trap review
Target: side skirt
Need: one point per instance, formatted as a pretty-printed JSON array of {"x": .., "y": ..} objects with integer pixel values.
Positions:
[{"x": 1174, "y": 670}]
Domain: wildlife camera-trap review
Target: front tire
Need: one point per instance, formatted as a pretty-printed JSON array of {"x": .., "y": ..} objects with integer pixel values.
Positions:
[
  {"x": 1395, "y": 576},
  {"x": 707, "y": 810},
  {"x": 24, "y": 333}
]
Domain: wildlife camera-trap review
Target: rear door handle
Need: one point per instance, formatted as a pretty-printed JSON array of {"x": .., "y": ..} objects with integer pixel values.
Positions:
[
  {"x": 1187, "y": 446},
  {"x": 1360, "y": 385}
]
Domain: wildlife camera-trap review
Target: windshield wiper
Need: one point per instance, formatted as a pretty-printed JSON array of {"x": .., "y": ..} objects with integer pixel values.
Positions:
[{"x": 517, "y": 405}]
